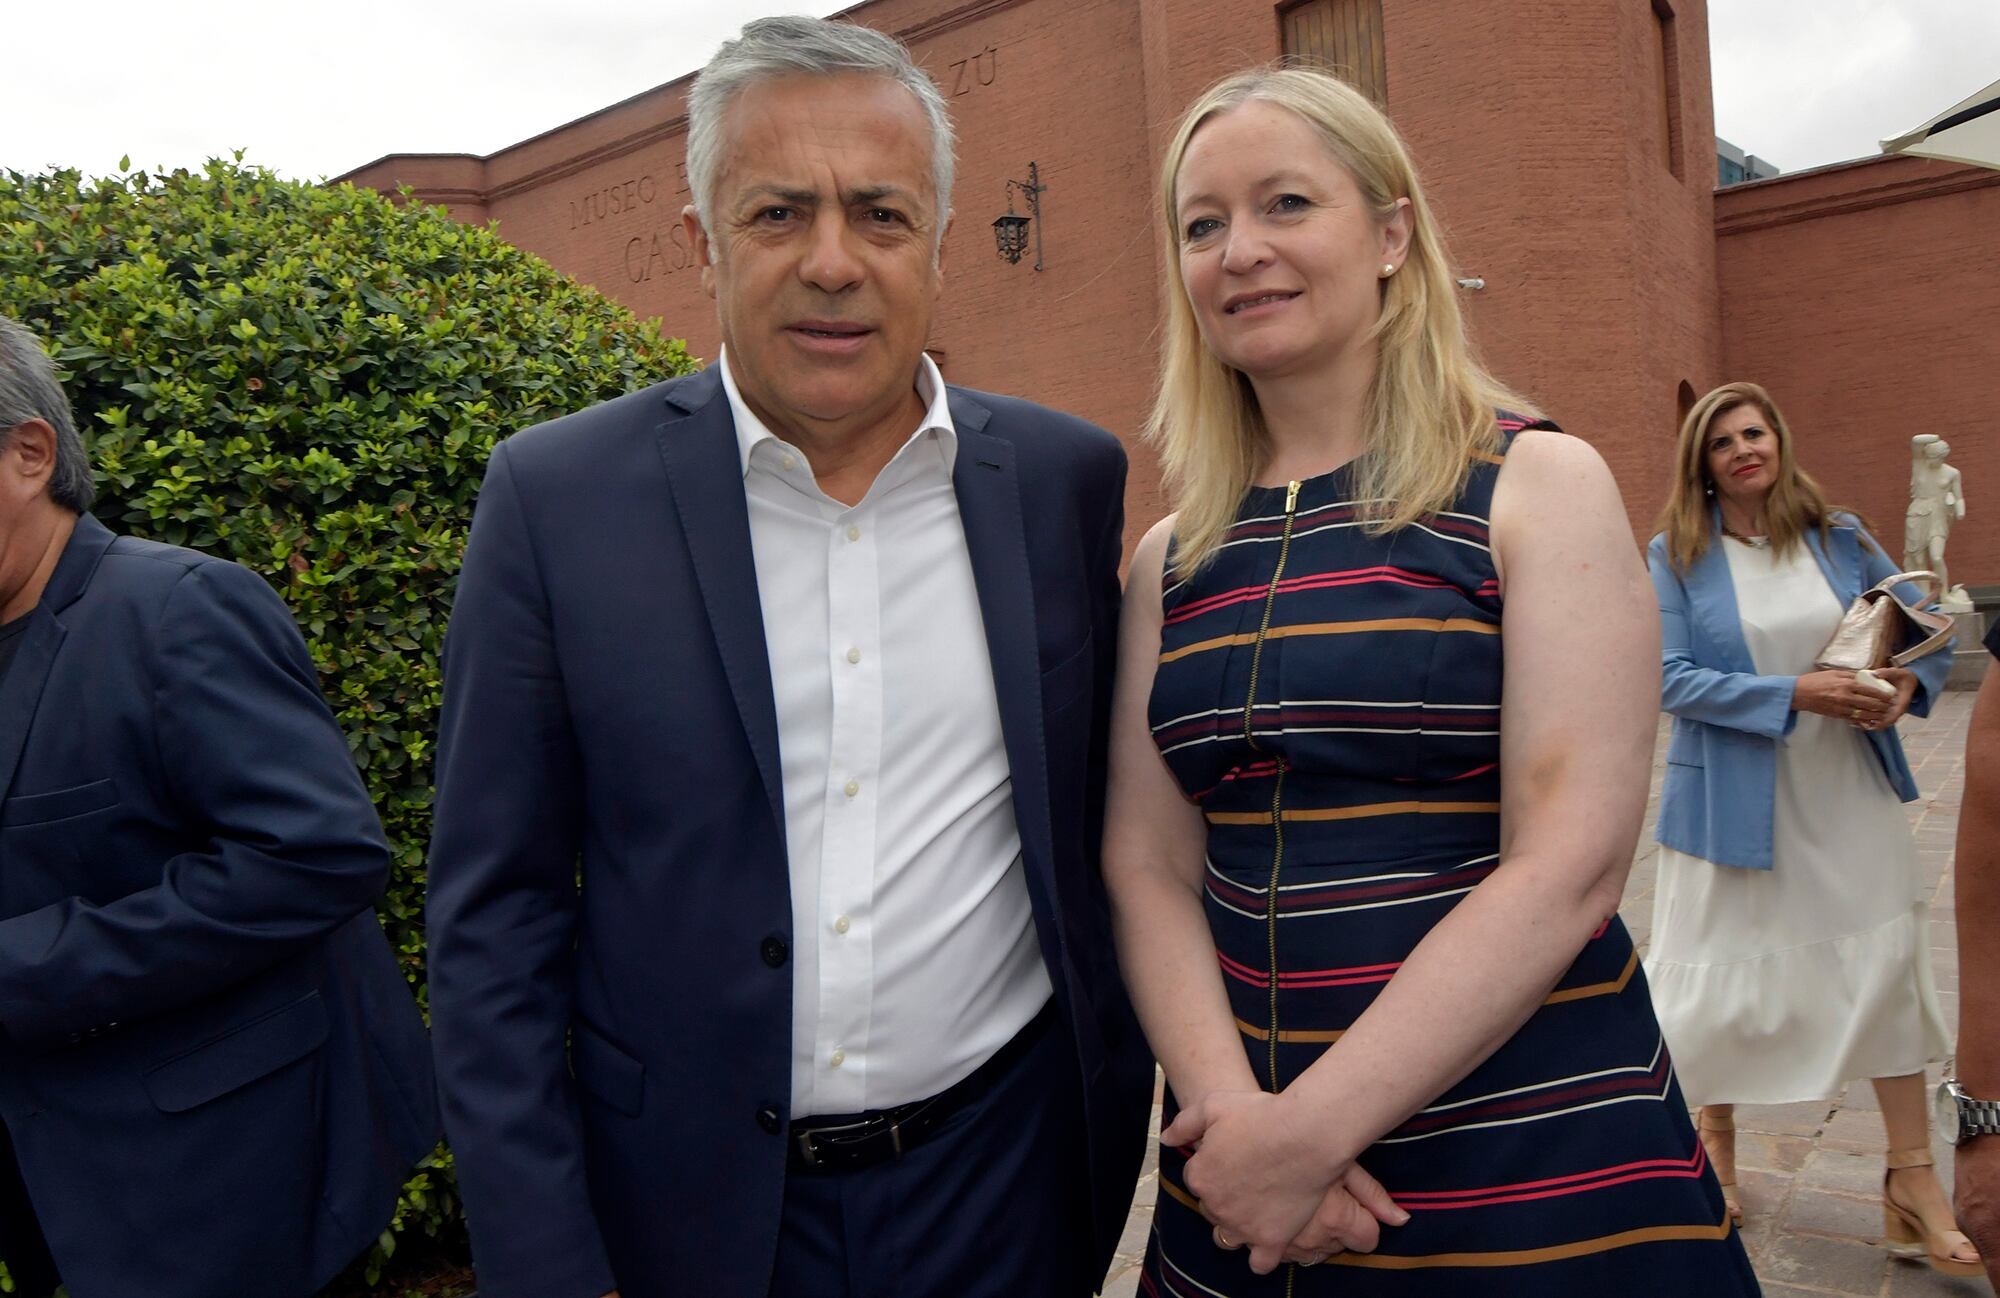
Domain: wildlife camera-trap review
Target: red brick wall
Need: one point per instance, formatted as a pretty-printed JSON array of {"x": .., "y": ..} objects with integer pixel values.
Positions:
[
  {"x": 1865, "y": 297},
  {"x": 1536, "y": 124}
]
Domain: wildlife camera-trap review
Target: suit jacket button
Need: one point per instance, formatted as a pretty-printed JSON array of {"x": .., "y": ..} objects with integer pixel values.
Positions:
[
  {"x": 775, "y": 951},
  {"x": 768, "y": 1119}
]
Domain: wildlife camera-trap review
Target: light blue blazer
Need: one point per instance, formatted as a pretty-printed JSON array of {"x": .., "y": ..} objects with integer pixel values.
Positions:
[{"x": 1721, "y": 782}]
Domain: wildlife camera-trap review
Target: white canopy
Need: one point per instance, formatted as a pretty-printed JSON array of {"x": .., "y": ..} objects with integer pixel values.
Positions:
[{"x": 1968, "y": 131}]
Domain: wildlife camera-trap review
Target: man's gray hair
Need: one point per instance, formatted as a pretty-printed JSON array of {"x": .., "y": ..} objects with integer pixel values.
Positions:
[
  {"x": 791, "y": 46},
  {"x": 29, "y": 390}
]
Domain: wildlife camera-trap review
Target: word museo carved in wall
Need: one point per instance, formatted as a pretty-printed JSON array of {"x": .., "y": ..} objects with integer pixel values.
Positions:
[
  {"x": 625, "y": 198},
  {"x": 982, "y": 69}
]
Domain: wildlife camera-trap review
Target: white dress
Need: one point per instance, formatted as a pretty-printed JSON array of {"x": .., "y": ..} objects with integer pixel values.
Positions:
[{"x": 1786, "y": 984}]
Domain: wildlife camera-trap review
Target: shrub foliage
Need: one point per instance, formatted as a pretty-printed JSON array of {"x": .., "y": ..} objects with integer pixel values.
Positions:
[{"x": 308, "y": 380}]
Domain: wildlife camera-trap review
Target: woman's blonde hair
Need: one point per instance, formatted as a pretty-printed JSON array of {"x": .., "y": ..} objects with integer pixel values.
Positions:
[
  {"x": 1431, "y": 406},
  {"x": 1795, "y": 503}
]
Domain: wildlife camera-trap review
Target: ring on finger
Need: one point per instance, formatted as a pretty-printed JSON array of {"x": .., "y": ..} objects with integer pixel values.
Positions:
[
  {"x": 1315, "y": 1259},
  {"x": 1222, "y": 1239}
]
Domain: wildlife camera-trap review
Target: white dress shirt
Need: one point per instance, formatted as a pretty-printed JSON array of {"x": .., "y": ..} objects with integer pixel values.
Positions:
[{"x": 913, "y": 941}]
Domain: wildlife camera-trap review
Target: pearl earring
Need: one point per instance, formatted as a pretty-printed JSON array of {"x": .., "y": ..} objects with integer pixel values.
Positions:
[{"x": 1388, "y": 269}]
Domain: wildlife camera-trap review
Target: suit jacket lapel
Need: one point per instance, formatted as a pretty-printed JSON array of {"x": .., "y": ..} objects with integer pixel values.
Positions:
[
  {"x": 22, "y": 689},
  {"x": 989, "y": 504},
  {"x": 35, "y": 656},
  {"x": 705, "y": 473}
]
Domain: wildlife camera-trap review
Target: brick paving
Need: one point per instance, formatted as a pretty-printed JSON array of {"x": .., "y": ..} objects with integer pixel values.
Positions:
[{"x": 1810, "y": 1173}]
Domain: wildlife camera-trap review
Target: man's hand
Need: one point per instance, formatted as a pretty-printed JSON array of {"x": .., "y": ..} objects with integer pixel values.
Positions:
[
  {"x": 1975, "y": 1174},
  {"x": 1264, "y": 1183}
]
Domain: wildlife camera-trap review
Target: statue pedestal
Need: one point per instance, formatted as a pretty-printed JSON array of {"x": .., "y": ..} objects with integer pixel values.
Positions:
[{"x": 1969, "y": 658}]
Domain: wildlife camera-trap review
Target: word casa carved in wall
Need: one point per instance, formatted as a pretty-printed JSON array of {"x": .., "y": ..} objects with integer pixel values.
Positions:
[
  {"x": 665, "y": 253},
  {"x": 982, "y": 69}
]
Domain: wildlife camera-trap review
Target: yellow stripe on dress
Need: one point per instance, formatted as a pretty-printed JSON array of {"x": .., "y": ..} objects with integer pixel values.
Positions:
[
  {"x": 1431, "y": 624},
  {"x": 1500, "y": 1257},
  {"x": 1327, "y": 1036},
  {"x": 1530, "y": 1256},
  {"x": 1589, "y": 990},
  {"x": 1357, "y": 813}
]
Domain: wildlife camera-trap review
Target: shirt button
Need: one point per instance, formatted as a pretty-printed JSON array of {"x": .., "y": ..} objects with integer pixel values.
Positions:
[
  {"x": 774, "y": 950},
  {"x": 838, "y": 1057},
  {"x": 841, "y": 924},
  {"x": 790, "y": 462},
  {"x": 768, "y": 1119},
  {"x": 853, "y": 532},
  {"x": 851, "y": 788},
  {"x": 854, "y": 655}
]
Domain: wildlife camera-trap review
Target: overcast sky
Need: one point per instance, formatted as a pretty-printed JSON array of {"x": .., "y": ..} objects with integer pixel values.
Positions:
[{"x": 312, "y": 89}]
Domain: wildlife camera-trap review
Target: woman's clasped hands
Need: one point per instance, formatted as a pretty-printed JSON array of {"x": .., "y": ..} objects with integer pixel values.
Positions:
[
  {"x": 1835, "y": 692},
  {"x": 1264, "y": 1182}
]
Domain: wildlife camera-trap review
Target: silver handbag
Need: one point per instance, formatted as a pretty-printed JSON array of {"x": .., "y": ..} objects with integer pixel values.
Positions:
[{"x": 1880, "y": 630}]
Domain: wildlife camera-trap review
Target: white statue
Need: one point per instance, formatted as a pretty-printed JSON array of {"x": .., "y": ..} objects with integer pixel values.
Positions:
[{"x": 1937, "y": 500}]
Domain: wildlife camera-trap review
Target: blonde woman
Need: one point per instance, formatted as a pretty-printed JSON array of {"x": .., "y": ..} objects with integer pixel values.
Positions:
[
  {"x": 1364, "y": 880},
  {"x": 1789, "y": 954}
]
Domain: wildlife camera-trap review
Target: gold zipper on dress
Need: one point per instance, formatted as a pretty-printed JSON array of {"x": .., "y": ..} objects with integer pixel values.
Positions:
[
  {"x": 1278, "y": 786},
  {"x": 1270, "y": 598}
]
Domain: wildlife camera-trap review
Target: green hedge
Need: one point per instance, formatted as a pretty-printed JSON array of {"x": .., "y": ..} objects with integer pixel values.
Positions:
[{"x": 308, "y": 380}]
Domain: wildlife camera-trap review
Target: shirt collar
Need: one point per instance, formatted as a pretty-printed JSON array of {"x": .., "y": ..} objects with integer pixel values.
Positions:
[{"x": 750, "y": 430}]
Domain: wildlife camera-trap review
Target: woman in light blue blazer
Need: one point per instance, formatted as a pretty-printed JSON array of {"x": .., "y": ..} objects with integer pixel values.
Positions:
[{"x": 1788, "y": 954}]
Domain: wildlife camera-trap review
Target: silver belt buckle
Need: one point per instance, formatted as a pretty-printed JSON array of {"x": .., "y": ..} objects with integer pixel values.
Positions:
[{"x": 805, "y": 1139}]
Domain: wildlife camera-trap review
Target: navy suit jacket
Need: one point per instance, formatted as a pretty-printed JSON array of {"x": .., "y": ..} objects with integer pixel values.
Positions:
[
  {"x": 614, "y": 1046},
  {"x": 212, "y": 1069}
]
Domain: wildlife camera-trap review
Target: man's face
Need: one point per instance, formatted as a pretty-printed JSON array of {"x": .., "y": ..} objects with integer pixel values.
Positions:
[{"x": 823, "y": 262}]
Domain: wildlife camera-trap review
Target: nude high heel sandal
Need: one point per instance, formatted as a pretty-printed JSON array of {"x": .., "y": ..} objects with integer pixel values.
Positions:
[
  {"x": 1724, "y": 1129},
  {"x": 1904, "y": 1233}
]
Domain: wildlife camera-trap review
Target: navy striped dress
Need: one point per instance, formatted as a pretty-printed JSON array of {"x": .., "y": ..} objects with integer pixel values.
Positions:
[{"x": 1331, "y": 699}]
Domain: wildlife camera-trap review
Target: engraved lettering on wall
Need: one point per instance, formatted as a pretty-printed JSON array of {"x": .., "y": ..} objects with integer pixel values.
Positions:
[
  {"x": 665, "y": 252},
  {"x": 626, "y": 198},
  {"x": 968, "y": 75}
]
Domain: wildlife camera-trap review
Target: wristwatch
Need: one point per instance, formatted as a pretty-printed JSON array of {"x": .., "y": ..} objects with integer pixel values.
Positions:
[{"x": 1960, "y": 1117}]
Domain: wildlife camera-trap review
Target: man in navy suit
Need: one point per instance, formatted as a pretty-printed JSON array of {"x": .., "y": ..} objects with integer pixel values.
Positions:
[
  {"x": 769, "y": 950},
  {"x": 213, "y": 1078}
]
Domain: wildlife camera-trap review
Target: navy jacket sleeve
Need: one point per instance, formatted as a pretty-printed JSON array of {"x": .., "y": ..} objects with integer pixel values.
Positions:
[
  {"x": 502, "y": 920},
  {"x": 1106, "y": 599},
  {"x": 291, "y": 848},
  {"x": 1689, "y": 688}
]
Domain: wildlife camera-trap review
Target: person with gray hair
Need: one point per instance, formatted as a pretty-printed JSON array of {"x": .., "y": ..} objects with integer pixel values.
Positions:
[
  {"x": 213, "y": 1077},
  {"x": 769, "y": 949},
  {"x": 29, "y": 391}
]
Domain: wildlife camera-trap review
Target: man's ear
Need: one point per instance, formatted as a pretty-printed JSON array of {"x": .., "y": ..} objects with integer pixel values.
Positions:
[
  {"x": 704, "y": 254},
  {"x": 29, "y": 454}
]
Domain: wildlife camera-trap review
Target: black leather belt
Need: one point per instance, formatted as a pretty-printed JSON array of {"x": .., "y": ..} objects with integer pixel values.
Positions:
[{"x": 847, "y": 1141}]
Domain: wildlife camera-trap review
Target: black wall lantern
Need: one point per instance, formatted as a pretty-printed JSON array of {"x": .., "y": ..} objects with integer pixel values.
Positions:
[{"x": 1010, "y": 232}]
